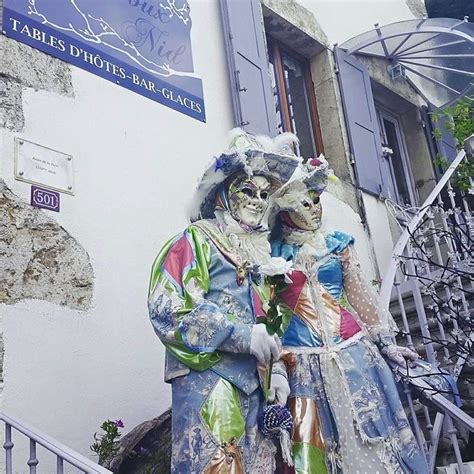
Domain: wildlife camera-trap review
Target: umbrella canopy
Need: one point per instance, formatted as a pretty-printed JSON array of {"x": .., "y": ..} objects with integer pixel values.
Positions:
[{"x": 435, "y": 55}]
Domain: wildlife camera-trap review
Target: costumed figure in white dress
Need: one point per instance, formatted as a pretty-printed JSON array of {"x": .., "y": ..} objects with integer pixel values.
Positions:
[{"x": 346, "y": 410}]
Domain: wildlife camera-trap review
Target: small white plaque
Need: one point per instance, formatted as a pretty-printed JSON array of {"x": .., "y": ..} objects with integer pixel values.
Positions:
[{"x": 38, "y": 164}]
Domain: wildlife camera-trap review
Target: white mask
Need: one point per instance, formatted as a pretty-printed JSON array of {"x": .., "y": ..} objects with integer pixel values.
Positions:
[
  {"x": 248, "y": 199},
  {"x": 307, "y": 213}
]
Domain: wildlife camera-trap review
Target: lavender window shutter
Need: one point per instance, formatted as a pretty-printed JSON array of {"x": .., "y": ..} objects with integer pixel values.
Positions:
[
  {"x": 372, "y": 170},
  {"x": 252, "y": 96}
]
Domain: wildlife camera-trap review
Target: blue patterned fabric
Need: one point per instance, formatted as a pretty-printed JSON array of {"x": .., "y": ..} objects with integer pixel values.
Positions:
[
  {"x": 298, "y": 334},
  {"x": 330, "y": 276},
  {"x": 366, "y": 380},
  {"x": 217, "y": 322},
  {"x": 194, "y": 444}
]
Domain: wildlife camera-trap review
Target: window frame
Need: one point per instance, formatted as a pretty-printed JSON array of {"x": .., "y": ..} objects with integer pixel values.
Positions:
[
  {"x": 275, "y": 48},
  {"x": 384, "y": 113}
]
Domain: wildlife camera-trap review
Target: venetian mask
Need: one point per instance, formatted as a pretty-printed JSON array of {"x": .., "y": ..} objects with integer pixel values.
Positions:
[
  {"x": 248, "y": 199},
  {"x": 307, "y": 213}
]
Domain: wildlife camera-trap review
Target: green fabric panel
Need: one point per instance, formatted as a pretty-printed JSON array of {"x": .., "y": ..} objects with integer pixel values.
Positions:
[
  {"x": 200, "y": 273},
  {"x": 202, "y": 252},
  {"x": 194, "y": 360},
  {"x": 308, "y": 459},
  {"x": 156, "y": 267},
  {"x": 222, "y": 414}
]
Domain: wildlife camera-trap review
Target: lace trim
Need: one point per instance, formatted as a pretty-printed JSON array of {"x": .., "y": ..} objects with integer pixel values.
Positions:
[
  {"x": 324, "y": 350},
  {"x": 312, "y": 244}
]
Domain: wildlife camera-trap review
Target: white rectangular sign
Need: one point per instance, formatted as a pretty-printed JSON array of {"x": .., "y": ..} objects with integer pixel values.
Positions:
[{"x": 38, "y": 164}]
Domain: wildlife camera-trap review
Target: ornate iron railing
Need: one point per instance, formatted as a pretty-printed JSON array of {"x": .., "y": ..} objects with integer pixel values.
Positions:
[
  {"x": 65, "y": 457},
  {"x": 429, "y": 288}
]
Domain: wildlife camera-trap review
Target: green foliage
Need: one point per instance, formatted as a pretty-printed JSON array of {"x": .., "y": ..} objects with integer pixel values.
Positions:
[
  {"x": 106, "y": 445},
  {"x": 460, "y": 123},
  {"x": 278, "y": 313}
]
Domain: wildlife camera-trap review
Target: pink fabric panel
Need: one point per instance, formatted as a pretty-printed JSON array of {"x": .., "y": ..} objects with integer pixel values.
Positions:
[
  {"x": 180, "y": 257},
  {"x": 349, "y": 326},
  {"x": 257, "y": 304},
  {"x": 292, "y": 293}
]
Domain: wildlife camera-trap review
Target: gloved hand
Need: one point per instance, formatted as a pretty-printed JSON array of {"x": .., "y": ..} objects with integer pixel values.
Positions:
[
  {"x": 399, "y": 354},
  {"x": 263, "y": 346},
  {"x": 279, "y": 389}
]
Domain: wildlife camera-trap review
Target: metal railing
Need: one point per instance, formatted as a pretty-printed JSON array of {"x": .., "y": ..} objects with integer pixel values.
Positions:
[
  {"x": 429, "y": 287},
  {"x": 64, "y": 455}
]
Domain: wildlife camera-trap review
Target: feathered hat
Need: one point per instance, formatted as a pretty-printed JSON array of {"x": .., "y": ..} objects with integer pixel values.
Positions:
[
  {"x": 313, "y": 175},
  {"x": 316, "y": 174},
  {"x": 248, "y": 155}
]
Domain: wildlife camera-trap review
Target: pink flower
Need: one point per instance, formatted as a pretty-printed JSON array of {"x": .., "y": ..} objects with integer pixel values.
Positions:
[{"x": 315, "y": 162}]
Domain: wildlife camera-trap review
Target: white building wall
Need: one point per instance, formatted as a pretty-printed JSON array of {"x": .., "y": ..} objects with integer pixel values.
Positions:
[
  {"x": 344, "y": 19},
  {"x": 136, "y": 166}
]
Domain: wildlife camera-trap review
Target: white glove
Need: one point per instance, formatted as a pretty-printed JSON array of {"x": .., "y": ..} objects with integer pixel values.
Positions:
[
  {"x": 279, "y": 389},
  {"x": 263, "y": 346},
  {"x": 399, "y": 354}
]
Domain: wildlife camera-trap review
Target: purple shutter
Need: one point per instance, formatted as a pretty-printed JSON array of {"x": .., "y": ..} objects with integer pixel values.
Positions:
[
  {"x": 252, "y": 96},
  {"x": 372, "y": 169}
]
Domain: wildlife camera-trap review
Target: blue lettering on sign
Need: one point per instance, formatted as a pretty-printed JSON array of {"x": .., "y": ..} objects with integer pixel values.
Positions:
[{"x": 142, "y": 45}]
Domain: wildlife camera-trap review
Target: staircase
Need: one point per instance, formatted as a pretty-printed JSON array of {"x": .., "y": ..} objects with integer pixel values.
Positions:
[
  {"x": 65, "y": 457},
  {"x": 429, "y": 288}
]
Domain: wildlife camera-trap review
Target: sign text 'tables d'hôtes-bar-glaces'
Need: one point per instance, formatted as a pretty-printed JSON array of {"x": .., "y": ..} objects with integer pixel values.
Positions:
[{"x": 143, "y": 45}]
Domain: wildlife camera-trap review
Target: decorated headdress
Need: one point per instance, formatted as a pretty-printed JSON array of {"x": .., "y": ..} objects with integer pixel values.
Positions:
[
  {"x": 312, "y": 175},
  {"x": 316, "y": 174},
  {"x": 248, "y": 155}
]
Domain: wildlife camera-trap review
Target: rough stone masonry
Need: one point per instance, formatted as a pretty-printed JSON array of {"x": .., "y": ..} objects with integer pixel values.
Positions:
[{"x": 40, "y": 259}]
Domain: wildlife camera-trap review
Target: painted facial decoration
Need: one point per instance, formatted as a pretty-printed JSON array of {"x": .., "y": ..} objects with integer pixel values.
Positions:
[
  {"x": 307, "y": 214},
  {"x": 248, "y": 199}
]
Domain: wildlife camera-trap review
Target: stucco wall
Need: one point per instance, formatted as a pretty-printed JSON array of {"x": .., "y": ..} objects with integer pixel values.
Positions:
[
  {"x": 136, "y": 166},
  {"x": 343, "y": 19}
]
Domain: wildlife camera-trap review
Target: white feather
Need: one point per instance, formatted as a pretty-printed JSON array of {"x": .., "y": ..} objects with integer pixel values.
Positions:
[{"x": 277, "y": 144}]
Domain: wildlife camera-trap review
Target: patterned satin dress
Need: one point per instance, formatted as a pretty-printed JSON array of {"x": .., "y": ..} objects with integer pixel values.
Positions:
[
  {"x": 347, "y": 413},
  {"x": 204, "y": 317}
]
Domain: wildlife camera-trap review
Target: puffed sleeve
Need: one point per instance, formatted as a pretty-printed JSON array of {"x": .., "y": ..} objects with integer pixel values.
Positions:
[
  {"x": 192, "y": 328},
  {"x": 363, "y": 298}
]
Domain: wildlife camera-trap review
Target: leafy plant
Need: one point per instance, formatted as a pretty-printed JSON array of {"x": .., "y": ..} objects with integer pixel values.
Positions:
[
  {"x": 278, "y": 312},
  {"x": 460, "y": 123},
  {"x": 106, "y": 445}
]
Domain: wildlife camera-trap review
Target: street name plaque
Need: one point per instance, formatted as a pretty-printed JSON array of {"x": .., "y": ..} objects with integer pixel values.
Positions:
[{"x": 43, "y": 166}]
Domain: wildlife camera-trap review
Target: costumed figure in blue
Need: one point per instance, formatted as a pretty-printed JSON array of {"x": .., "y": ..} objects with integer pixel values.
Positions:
[
  {"x": 206, "y": 292},
  {"x": 346, "y": 410}
]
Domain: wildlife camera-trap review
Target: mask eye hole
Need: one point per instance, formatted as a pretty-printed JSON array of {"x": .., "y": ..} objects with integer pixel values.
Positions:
[
  {"x": 316, "y": 200},
  {"x": 306, "y": 204},
  {"x": 264, "y": 194},
  {"x": 248, "y": 192}
]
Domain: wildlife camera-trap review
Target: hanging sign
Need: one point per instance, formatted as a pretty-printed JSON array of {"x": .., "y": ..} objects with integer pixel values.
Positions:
[{"x": 142, "y": 45}]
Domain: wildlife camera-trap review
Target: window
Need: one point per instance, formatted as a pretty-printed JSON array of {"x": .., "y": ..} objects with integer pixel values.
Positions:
[
  {"x": 295, "y": 103},
  {"x": 395, "y": 152}
]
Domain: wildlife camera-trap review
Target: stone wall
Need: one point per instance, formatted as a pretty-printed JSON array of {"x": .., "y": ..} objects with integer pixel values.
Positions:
[{"x": 39, "y": 259}]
